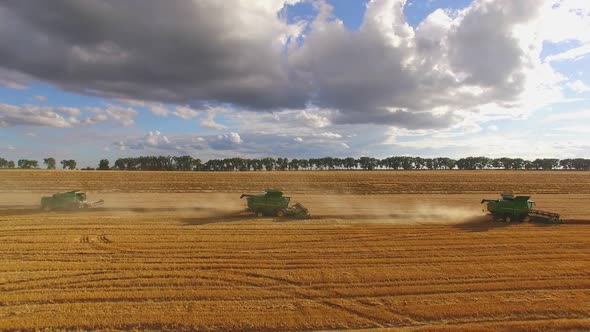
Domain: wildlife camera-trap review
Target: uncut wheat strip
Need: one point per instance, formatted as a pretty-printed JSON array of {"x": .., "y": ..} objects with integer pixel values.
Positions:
[
  {"x": 327, "y": 275},
  {"x": 10, "y": 279},
  {"x": 425, "y": 263},
  {"x": 283, "y": 314},
  {"x": 415, "y": 306},
  {"x": 314, "y": 273},
  {"x": 558, "y": 282},
  {"x": 384, "y": 248},
  {"x": 114, "y": 279},
  {"x": 509, "y": 325},
  {"x": 405, "y": 287},
  {"x": 176, "y": 292},
  {"x": 368, "y": 258},
  {"x": 231, "y": 294},
  {"x": 442, "y": 273},
  {"x": 172, "y": 291},
  {"x": 287, "y": 240},
  {"x": 322, "y": 279},
  {"x": 459, "y": 288},
  {"x": 522, "y": 305},
  {"x": 367, "y": 255},
  {"x": 517, "y": 245}
]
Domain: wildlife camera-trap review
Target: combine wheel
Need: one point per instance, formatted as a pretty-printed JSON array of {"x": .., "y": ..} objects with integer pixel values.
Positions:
[
  {"x": 507, "y": 218},
  {"x": 280, "y": 213},
  {"x": 259, "y": 213},
  {"x": 525, "y": 218},
  {"x": 46, "y": 208}
]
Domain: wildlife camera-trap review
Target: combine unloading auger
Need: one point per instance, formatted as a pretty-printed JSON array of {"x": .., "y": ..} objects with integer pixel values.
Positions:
[{"x": 519, "y": 208}]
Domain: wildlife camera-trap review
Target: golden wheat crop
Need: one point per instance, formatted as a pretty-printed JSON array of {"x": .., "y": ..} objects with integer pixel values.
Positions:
[{"x": 407, "y": 250}]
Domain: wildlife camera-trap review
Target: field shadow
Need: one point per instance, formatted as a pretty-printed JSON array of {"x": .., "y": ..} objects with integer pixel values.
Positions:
[
  {"x": 485, "y": 223},
  {"x": 217, "y": 219},
  {"x": 368, "y": 216},
  {"x": 20, "y": 211},
  {"x": 153, "y": 209},
  {"x": 481, "y": 223},
  {"x": 7, "y": 211}
]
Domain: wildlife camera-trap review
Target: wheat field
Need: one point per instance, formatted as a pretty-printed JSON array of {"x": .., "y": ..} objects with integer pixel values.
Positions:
[{"x": 385, "y": 250}]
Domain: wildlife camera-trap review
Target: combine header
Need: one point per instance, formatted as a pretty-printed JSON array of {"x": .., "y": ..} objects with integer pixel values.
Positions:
[
  {"x": 71, "y": 200},
  {"x": 275, "y": 204},
  {"x": 519, "y": 208}
]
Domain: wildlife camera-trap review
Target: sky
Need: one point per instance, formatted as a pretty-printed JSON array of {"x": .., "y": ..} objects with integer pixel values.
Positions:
[{"x": 91, "y": 79}]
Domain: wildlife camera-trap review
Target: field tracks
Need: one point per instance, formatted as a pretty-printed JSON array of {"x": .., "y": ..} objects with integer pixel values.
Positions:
[{"x": 407, "y": 250}]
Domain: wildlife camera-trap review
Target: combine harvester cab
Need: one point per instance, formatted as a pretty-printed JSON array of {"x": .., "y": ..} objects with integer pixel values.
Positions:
[
  {"x": 273, "y": 203},
  {"x": 519, "y": 208},
  {"x": 70, "y": 200}
]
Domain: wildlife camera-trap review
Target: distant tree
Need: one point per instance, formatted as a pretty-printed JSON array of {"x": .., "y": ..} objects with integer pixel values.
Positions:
[
  {"x": 418, "y": 163},
  {"x": 566, "y": 164},
  {"x": 282, "y": 164},
  {"x": 516, "y": 163},
  {"x": 27, "y": 164},
  {"x": 294, "y": 164},
  {"x": 580, "y": 164},
  {"x": 407, "y": 163},
  {"x": 3, "y": 163},
  {"x": 367, "y": 163},
  {"x": 50, "y": 162},
  {"x": 471, "y": 163},
  {"x": 254, "y": 164},
  {"x": 268, "y": 163},
  {"x": 120, "y": 164},
  {"x": 11, "y": 164},
  {"x": 103, "y": 164},
  {"x": 545, "y": 164},
  {"x": 350, "y": 163},
  {"x": 188, "y": 163},
  {"x": 69, "y": 164},
  {"x": 443, "y": 163},
  {"x": 197, "y": 164},
  {"x": 498, "y": 163}
]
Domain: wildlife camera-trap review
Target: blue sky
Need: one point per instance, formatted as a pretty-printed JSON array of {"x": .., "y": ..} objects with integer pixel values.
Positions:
[{"x": 295, "y": 79}]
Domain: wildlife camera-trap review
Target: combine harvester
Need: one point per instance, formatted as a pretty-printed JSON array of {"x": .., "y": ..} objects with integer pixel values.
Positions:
[
  {"x": 71, "y": 200},
  {"x": 519, "y": 208},
  {"x": 273, "y": 203}
]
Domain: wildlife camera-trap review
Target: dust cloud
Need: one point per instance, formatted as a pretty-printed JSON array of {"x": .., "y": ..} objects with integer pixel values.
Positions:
[
  {"x": 391, "y": 209},
  {"x": 396, "y": 209}
]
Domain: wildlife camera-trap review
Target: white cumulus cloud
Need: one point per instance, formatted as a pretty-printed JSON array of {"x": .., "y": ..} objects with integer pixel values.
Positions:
[
  {"x": 185, "y": 112},
  {"x": 209, "y": 120}
]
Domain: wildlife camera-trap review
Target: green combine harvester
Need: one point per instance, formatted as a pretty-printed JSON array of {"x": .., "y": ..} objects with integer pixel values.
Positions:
[
  {"x": 273, "y": 203},
  {"x": 519, "y": 208},
  {"x": 71, "y": 200}
]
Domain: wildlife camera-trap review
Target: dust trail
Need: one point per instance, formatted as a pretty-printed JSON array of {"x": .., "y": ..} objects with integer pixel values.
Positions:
[
  {"x": 395, "y": 209},
  {"x": 432, "y": 215},
  {"x": 400, "y": 209},
  {"x": 443, "y": 215}
]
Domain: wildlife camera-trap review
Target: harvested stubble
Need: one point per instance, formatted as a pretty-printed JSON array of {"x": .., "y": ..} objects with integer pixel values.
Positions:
[{"x": 166, "y": 261}]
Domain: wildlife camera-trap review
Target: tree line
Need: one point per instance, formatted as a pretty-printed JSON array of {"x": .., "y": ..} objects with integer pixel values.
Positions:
[
  {"x": 188, "y": 163},
  {"x": 50, "y": 163}
]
